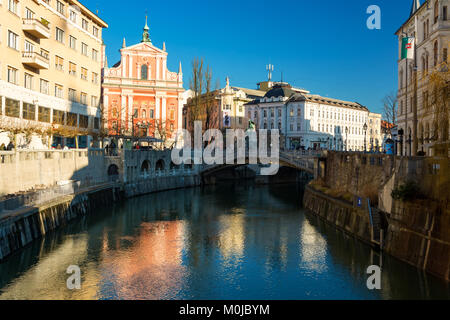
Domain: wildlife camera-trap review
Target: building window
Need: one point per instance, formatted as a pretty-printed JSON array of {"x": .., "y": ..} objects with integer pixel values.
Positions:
[
  {"x": 84, "y": 24},
  {"x": 58, "y": 91},
  {"x": 59, "y": 35},
  {"x": 445, "y": 54},
  {"x": 72, "y": 119},
  {"x": 144, "y": 114},
  {"x": 84, "y": 49},
  {"x": 96, "y": 123},
  {"x": 44, "y": 114},
  {"x": 44, "y": 86},
  {"x": 83, "y": 98},
  {"x": 72, "y": 95},
  {"x": 28, "y": 111},
  {"x": 444, "y": 13},
  {"x": 291, "y": 113},
  {"x": 94, "y": 77},
  {"x": 59, "y": 63},
  {"x": 84, "y": 121},
  {"x": 12, "y": 6},
  {"x": 29, "y": 47},
  {"x": 144, "y": 72},
  {"x": 95, "y": 31},
  {"x": 94, "y": 55},
  {"x": 436, "y": 11},
  {"x": 94, "y": 101},
  {"x": 12, "y": 108},
  {"x": 29, "y": 14},
  {"x": 60, "y": 7},
  {"x": 84, "y": 73},
  {"x": 72, "y": 69},
  {"x": 28, "y": 81},
  {"x": 73, "y": 42},
  {"x": 12, "y": 75},
  {"x": 73, "y": 16},
  {"x": 435, "y": 51},
  {"x": 12, "y": 40},
  {"x": 152, "y": 113}
]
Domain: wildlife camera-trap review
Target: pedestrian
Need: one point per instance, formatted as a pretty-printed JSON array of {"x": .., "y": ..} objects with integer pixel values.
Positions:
[
  {"x": 10, "y": 146},
  {"x": 107, "y": 149},
  {"x": 2, "y": 147}
]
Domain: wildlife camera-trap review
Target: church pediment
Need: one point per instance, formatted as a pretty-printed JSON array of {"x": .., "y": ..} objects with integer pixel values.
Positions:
[{"x": 144, "y": 47}]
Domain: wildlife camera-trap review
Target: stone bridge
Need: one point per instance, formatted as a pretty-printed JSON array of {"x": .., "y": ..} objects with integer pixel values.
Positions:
[{"x": 304, "y": 160}]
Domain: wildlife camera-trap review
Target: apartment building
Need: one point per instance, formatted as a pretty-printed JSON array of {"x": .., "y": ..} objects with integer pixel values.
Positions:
[
  {"x": 50, "y": 70},
  {"x": 427, "y": 36}
]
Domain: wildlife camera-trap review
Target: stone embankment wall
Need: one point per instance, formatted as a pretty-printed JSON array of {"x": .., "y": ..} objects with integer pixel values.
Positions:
[
  {"x": 419, "y": 234},
  {"x": 342, "y": 214},
  {"x": 22, "y": 227},
  {"x": 25, "y": 169}
]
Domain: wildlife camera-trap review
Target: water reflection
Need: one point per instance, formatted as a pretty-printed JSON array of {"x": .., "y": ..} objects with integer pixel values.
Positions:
[{"x": 224, "y": 242}]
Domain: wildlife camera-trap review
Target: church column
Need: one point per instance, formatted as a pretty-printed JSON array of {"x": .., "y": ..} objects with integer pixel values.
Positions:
[
  {"x": 130, "y": 113},
  {"x": 157, "y": 68},
  {"x": 157, "y": 108},
  {"x": 130, "y": 65},
  {"x": 164, "y": 109},
  {"x": 164, "y": 63}
]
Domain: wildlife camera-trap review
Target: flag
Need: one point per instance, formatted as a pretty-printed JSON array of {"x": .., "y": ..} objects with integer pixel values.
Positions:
[{"x": 408, "y": 48}]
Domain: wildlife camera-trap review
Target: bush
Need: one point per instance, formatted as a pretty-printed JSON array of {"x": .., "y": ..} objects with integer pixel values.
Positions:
[{"x": 408, "y": 191}]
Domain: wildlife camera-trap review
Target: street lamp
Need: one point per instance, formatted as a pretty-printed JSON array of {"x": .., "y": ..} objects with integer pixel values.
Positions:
[
  {"x": 365, "y": 134},
  {"x": 346, "y": 138},
  {"x": 400, "y": 134}
]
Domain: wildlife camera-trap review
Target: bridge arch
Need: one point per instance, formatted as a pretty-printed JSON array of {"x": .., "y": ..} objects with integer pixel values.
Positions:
[
  {"x": 113, "y": 172},
  {"x": 160, "y": 165},
  {"x": 145, "y": 166}
]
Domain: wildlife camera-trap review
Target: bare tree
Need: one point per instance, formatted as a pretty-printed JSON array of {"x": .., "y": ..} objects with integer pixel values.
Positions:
[
  {"x": 196, "y": 85},
  {"x": 390, "y": 107}
]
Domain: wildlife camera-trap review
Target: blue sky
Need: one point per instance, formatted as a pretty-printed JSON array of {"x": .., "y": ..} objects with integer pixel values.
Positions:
[{"x": 322, "y": 46}]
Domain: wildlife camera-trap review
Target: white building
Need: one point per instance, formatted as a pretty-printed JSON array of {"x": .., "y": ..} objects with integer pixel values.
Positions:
[{"x": 310, "y": 121}]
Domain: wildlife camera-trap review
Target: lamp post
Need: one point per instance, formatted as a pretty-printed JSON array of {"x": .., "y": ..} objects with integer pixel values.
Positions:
[
  {"x": 400, "y": 134},
  {"x": 346, "y": 138},
  {"x": 365, "y": 135},
  {"x": 410, "y": 147}
]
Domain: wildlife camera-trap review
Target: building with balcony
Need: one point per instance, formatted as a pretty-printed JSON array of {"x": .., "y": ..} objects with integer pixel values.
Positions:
[
  {"x": 50, "y": 69},
  {"x": 140, "y": 95},
  {"x": 423, "y": 114}
]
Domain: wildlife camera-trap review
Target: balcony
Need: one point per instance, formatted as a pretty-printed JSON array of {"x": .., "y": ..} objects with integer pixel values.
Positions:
[
  {"x": 37, "y": 28},
  {"x": 35, "y": 60}
]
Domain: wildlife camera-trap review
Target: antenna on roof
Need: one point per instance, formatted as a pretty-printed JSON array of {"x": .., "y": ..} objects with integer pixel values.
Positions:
[
  {"x": 281, "y": 77},
  {"x": 269, "y": 68}
]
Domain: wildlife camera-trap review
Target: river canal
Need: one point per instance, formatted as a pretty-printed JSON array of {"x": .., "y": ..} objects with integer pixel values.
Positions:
[{"x": 231, "y": 241}]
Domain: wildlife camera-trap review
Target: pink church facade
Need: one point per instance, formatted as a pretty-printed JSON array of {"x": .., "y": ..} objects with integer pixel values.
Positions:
[{"x": 141, "y": 97}]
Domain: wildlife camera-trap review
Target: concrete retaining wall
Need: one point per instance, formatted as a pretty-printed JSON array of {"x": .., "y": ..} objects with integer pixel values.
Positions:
[
  {"x": 19, "y": 229},
  {"x": 156, "y": 184},
  {"x": 23, "y": 170}
]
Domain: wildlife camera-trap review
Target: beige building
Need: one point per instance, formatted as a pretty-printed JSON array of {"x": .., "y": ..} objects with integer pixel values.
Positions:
[
  {"x": 50, "y": 68},
  {"x": 227, "y": 108},
  {"x": 429, "y": 25}
]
